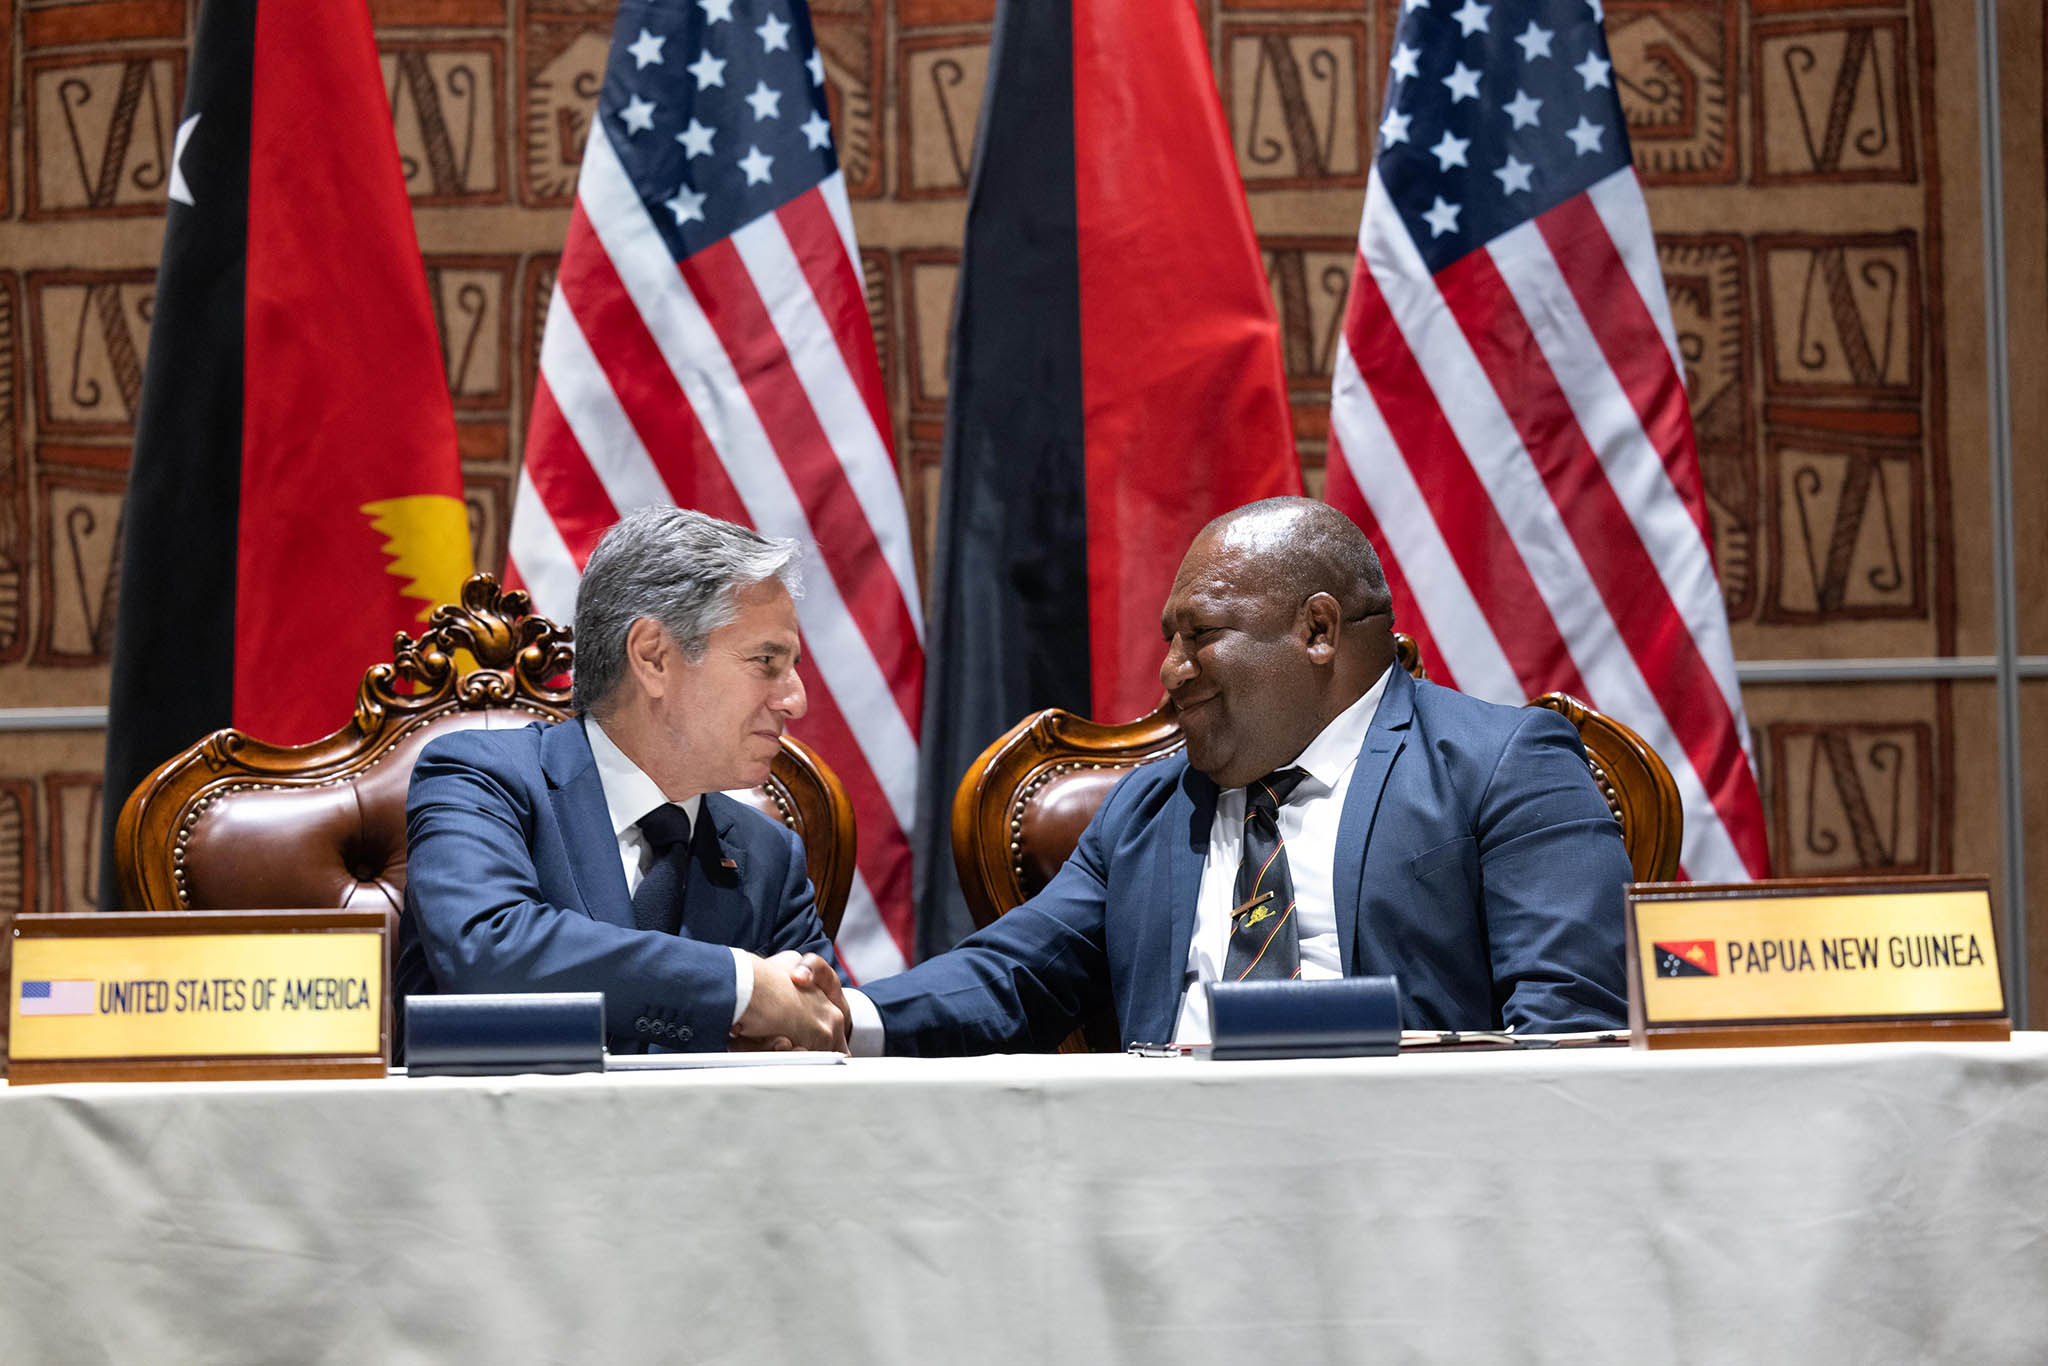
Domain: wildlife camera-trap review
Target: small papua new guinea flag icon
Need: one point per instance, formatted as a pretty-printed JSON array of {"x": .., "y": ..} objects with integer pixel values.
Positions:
[{"x": 1686, "y": 958}]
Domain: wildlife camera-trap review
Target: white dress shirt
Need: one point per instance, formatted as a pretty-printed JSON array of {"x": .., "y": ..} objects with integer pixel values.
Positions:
[
  {"x": 630, "y": 794},
  {"x": 1308, "y": 827}
]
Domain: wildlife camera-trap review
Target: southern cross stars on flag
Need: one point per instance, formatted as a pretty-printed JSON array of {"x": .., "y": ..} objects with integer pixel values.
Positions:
[
  {"x": 1686, "y": 958},
  {"x": 1508, "y": 416},
  {"x": 1467, "y": 153},
  {"x": 708, "y": 344}
]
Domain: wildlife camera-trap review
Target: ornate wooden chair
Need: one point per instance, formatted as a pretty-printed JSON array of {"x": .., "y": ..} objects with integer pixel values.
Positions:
[
  {"x": 1022, "y": 806},
  {"x": 235, "y": 823}
]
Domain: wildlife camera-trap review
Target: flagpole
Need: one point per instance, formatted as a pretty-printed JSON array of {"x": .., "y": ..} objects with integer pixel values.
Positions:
[{"x": 1998, "y": 381}]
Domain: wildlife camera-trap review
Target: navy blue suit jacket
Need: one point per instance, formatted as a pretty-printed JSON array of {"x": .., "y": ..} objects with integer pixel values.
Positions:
[
  {"x": 514, "y": 883},
  {"x": 1476, "y": 861}
]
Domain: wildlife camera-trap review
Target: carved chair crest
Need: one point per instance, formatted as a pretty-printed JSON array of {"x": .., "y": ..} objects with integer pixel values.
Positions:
[{"x": 518, "y": 658}]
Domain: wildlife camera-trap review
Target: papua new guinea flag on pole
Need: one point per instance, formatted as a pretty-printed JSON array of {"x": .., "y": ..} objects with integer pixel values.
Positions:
[
  {"x": 1116, "y": 382},
  {"x": 295, "y": 495}
]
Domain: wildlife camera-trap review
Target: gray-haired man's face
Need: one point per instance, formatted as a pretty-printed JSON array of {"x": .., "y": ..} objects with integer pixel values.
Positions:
[{"x": 724, "y": 716}]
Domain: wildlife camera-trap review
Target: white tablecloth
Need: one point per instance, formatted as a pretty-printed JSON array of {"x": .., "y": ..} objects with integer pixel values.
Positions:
[{"x": 1856, "y": 1204}]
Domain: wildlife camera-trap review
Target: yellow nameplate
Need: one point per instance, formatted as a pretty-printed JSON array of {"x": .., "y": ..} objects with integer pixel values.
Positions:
[
  {"x": 1801, "y": 961},
  {"x": 199, "y": 993}
]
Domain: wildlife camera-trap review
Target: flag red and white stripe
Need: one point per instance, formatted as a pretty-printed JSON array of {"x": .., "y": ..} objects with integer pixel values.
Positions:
[
  {"x": 1512, "y": 431},
  {"x": 741, "y": 379}
]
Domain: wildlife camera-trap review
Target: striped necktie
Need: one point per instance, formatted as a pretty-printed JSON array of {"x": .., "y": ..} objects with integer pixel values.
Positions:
[{"x": 1263, "y": 940}]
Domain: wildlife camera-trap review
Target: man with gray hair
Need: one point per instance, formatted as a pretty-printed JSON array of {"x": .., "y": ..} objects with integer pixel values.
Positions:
[{"x": 599, "y": 854}]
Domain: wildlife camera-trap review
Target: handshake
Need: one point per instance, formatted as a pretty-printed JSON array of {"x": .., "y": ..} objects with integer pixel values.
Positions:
[{"x": 797, "y": 1003}]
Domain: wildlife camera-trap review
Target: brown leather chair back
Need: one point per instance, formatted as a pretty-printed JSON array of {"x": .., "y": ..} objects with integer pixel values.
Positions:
[
  {"x": 1022, "y": 806},
  {"x": 235, "y": 823}
]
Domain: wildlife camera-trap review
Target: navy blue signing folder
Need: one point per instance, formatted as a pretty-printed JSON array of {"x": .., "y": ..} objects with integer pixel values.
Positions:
[
  {"x": 1340, "y": 1017},
  {"x": 486, "y": 1035}
]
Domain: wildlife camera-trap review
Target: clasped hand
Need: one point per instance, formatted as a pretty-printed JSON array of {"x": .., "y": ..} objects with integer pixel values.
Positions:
[{"x": 797, "y": 1003}]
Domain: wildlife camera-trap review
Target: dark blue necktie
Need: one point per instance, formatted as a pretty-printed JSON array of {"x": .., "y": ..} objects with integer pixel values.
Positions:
[
  {"x": 1264, "y": 941},
  {"x": 658, "y": 902}
]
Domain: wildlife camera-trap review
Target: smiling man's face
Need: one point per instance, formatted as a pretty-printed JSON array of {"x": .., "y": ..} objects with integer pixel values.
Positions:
[
  {"x": 1237, "y": 666},
  {"x": 727, "y": 713}
]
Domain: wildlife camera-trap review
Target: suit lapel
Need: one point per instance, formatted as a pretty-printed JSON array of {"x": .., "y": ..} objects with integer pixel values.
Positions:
[
  {"x": 1383, "y": 741},
  {"x": 592, "y": 847},
  {"x": 1185, "y": 851}
]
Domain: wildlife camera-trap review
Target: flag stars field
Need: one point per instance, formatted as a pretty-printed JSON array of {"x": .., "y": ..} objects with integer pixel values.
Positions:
[
  {"x": 637, "y": 116},
  {"x": 1441, "y": 217},
  {"x": 687, "y": 205},
  {"x": 730, "y": 126},
  {"x": 696, "y": 139},
  {"x": 708, "y": 70},
  {"x": 766, "y": 103},
  {"x": 1550, "y": 114},
  {"x": 1472, "y": 17},
  {"x": 1513, "y": 175},
  {"x": 646, "y": 50}
]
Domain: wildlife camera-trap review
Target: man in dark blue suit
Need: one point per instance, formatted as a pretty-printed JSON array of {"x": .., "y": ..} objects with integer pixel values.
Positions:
[
  {"x": 599, "y": 854},
  {"x": 1407, "y": 828}
]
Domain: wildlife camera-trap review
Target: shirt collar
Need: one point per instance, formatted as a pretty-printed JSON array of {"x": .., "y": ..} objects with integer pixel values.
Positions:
[
  {"x": 629, "y": 793},
  {"x": 1334, "y": 750}
]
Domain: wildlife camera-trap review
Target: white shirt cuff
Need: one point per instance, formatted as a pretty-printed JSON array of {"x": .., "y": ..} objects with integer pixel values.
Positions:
[
  {"x": 742, "y": 983},
  {"x": 866, "y": 1036}
]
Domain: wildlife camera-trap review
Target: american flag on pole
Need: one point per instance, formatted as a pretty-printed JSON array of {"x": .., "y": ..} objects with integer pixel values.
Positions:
[
  {"x": 707, "y": 344},
  {"x": 1508, "y": 418}
]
